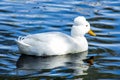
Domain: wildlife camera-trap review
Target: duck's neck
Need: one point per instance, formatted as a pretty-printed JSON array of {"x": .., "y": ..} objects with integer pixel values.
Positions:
[
  {"x": 76, "y": 36},
  {"x": 81, "y": 42},
  {"x": 80, "y": 38},
  {"x": 76, "y": 31}
]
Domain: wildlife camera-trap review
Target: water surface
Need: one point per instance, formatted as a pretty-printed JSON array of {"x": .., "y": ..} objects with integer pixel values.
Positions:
[{"x": 20, "y": 18}]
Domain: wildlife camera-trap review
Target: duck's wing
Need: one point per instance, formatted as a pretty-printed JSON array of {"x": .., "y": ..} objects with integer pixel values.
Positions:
[
  {"x": 49, "y": 43},
  {"x": 48, "y": 36},
  {"x": 45, "y": 38}
]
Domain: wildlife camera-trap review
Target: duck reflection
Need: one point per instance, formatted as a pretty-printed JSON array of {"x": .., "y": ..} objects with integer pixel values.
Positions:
[
  {"x": 70, "y": 61},
  {"x": 90, "y": 60}
]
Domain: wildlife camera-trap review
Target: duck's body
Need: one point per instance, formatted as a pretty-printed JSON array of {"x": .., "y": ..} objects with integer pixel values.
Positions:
[
  {"x": 54, "y": 43},
  {"x": 51, "y": 43}
]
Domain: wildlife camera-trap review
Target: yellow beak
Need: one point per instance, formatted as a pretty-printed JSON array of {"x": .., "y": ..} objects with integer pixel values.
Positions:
[{"x": 91, "y": 33}]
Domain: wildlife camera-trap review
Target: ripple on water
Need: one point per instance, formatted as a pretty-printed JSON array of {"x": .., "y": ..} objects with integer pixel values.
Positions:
[{"x": 19, "y": 18}]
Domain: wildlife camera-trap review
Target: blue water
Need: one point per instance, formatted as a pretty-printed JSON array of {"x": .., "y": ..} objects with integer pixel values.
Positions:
[{"x": 23, "y": 17}]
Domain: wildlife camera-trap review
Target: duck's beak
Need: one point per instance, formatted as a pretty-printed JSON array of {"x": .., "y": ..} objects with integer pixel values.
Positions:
[{"x": 91, "y": 33}]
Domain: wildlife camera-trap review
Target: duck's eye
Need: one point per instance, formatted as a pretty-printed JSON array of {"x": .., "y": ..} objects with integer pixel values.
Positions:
[{"x": 86, "y": 25}]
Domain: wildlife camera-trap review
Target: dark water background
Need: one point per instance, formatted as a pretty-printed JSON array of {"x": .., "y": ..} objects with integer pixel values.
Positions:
[{"x": 23, "y": 17}]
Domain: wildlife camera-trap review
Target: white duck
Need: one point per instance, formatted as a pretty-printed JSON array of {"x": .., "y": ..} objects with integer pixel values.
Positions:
[{"x": 57, "y": 43}]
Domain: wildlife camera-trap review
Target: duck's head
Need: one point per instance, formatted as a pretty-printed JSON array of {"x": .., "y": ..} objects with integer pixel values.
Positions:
[{"x": 81, "y": 27}]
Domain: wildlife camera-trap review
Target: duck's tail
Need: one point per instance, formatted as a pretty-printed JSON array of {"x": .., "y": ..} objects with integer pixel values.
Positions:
[{"x": 21, "y": 44}]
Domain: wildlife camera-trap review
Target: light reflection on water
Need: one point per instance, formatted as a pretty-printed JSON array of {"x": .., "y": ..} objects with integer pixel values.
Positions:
[
  {"x": 19, "y": 18},
  {"x": 54, "y": 64}
]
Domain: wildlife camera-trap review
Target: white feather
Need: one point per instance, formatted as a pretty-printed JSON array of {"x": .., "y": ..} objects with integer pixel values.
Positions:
[{"x": 56, "y": 43}]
